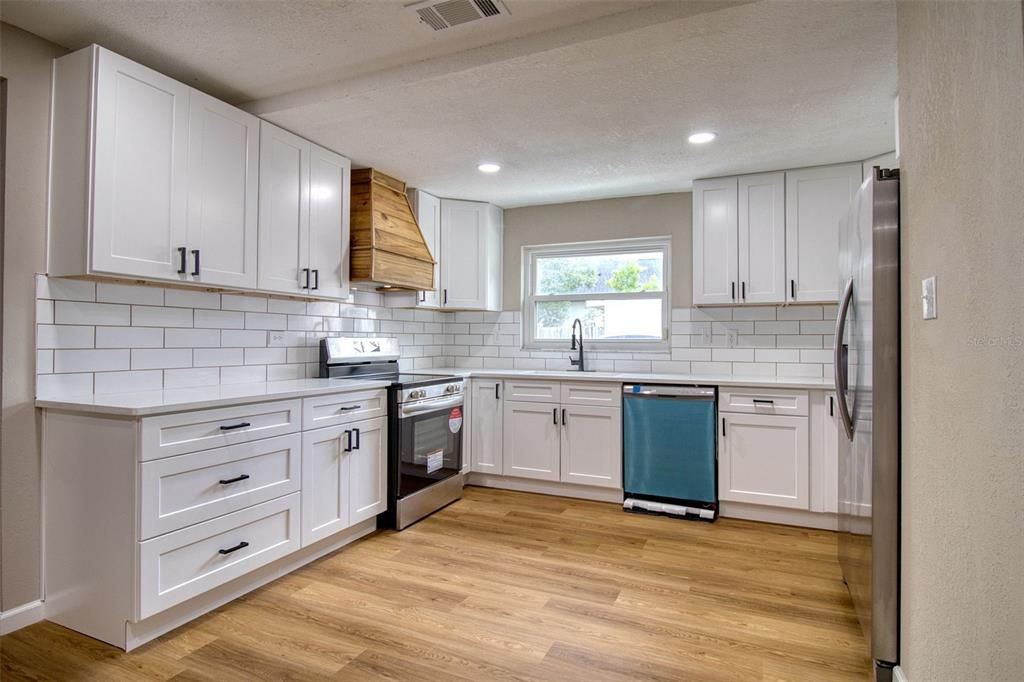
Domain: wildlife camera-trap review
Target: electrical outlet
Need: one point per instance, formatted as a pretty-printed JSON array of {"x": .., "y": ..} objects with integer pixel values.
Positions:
[
  {"x": 276, "y": 339},
  {"x": 733, "y": 338},
  {"x": 705, "y": 335},
  {"x": 929, "y": 303}
]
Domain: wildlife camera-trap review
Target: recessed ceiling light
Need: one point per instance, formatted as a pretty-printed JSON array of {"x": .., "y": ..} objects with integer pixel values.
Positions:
[
  {"x": 701, "y": 138},
  {"x": 488, "y": 168}
]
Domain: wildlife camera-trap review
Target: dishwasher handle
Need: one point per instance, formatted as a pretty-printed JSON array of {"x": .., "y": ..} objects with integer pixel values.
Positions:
[{"x": 668, "y": 391}]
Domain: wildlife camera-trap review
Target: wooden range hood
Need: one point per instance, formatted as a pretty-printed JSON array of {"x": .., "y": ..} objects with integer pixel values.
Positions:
[{"x": 387, "y": 245}]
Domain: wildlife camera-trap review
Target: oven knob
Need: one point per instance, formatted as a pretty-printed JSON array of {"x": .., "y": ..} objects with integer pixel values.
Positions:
[
  {"x": 417, "y": 394},
  {"x": 450, "y": 388}
]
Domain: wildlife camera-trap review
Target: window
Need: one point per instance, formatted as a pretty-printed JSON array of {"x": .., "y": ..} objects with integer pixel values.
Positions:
[{"x": 618, "y": 290}]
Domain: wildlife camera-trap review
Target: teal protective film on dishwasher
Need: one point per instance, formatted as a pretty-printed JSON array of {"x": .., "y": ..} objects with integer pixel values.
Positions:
[{"x": 669, "y": 447}]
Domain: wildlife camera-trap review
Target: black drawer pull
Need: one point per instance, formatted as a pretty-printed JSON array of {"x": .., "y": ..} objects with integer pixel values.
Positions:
[
  {"x": 240, "y": 425},
  {"x": 763, "y": 400},
  {"x": 236, "y": 479},
  {"x": 349, "y": 409},
  {"x": 182, "y": 269},
  {"x": 229, "y": 550}
]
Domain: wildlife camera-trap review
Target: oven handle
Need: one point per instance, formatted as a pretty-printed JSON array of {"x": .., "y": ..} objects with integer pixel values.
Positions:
[{"x": 430, "y": 406}]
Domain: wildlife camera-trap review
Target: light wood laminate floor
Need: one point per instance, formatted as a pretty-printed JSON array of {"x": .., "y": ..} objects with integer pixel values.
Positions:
[{"x": 504, "y": 585}]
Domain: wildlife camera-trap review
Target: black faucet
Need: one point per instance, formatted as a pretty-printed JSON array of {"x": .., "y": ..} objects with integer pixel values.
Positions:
[{"x": 577, "y": 363}]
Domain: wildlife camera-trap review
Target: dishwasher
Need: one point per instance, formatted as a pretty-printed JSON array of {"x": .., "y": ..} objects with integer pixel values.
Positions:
[{"x": 669, "y": 450}]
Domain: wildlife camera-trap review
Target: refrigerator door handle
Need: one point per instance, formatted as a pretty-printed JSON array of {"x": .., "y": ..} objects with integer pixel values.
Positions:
[{"x": 838, "y": 359}]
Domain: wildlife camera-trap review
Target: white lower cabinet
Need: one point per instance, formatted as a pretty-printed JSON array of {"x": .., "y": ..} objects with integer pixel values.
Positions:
[
  {"x": 485, "y": 426},
  {"x": 566, "y": 442},
  {"x": 764, "y": 459},
  {"x": 591, "y": 452},
  {"x": 532, "y": 440},
  {"x": 344, "y": 477}
]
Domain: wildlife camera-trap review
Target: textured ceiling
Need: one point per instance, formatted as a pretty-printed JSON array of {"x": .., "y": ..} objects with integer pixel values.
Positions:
[{"x": 592, "y": 109}]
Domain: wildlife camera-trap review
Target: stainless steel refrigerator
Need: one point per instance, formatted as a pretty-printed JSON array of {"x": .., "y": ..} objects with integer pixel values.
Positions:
[{"x": 867, "y": 375}]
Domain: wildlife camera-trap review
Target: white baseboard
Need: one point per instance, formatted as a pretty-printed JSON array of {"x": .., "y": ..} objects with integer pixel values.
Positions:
[
  {"x": 780, "y": 515},
  {"x": 21, "y": 616},
  {"x": 898, "y": 675},
  {"x": 529, "y": 485}
]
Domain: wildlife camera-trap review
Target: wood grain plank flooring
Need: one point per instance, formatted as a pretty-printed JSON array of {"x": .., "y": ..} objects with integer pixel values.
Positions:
[{"x": 512, "y": 586}]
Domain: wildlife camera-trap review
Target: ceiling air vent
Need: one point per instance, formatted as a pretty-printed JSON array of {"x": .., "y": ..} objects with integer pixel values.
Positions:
[{"x": 448, "y": 13}]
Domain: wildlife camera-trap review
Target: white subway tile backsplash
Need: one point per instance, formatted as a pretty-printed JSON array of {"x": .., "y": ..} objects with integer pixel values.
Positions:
[
  {"x": 320, "y": 308},
  {"x": 44, "y": 362},
  {"x": 767, "y": 327},
  {"x": 250, "y": 374},
  {"x": 287, "y": 306},
  {"x": 670, "y": 367},
  {"x": 710, "y": 314},
  {"x": 70, "y": 361},
  {"x": 192, "y": 338},
  {"x": 777, "y": 355},
  {"x": 732, "y": 355},
  {"x": 266, "y": 356},
  {"x": 217, "y": 357},
  {"x": 711, "y": 367},
  {"x": 219, "y": 319},
  {"x": 800, "y": 312},
  {"x": 161, "y": 358},
  {"x": 285, "y": 372},
  {"x": 120, "y": 382},
  {"x": 58, "y": 386},
  {"x": 128, "y": 293},
  {"x": 822, "y": 327},
  {"x": 251, "y": 304},
  {"x": 68, "y": 312},
  {"x": 187, "y": 298},
  {"x": 266, "y": 321},
  {"x": 129, "y": 337},
  {"x": 44, "y": 312},
  {"x": 754, "y": 369},
  {"x": 152, "y": 316},
  {"x": 691, "y": 354},
  {"x": 755, "y": 313},
  {"x": 248, "y": 338},
  {"x": 632, "y": 366},
  {"x": 799, "y": 370},
  {"x": 64, "y": 336},
  {"x": 307, "y": 323},
  {"x": 822, "y": 356},
  {"x": 799, "y": 341},
  {"x": 60, "y": 289},
  {"x": 189, "y": 378}
]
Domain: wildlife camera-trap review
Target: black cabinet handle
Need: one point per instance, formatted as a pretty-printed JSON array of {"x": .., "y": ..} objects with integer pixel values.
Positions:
[
  {"x": 446, "y": 297},
  {"x": 348, "y": 441},
  {"x": 554, "y": 416},
  {"x": 240, "y": 425},
  {"x": 743, "y": 290},
  {"x": 563, "y": 416},
  {"x": 732, "y": 286},
  {"x": 182, "y": 267},
  {"x": 763, "y": 400},
  {"x": 358, "y": 438},
  {"x": 349, "y": 409},
  {"x": 195, "y": 254},
  {"x": 723, "y": 427},
  {"x": 423, "y": 297},
  {"x": 497, "y": 395},
  {"x": 241, "y": 545},
  {"x": 316, "y": 278},
  {"x": 792, "y": 289},
  {"x": 236, "y": 479},
  {"x": 306, "y": 271},
  {"x": 831, "y": 406}
]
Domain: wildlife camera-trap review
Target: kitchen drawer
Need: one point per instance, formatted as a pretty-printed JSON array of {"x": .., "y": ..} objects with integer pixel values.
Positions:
[
  {"x": 177, "y": 434},
  {"x": 591, "y": 393},
  {"x": 763, "y": 401},
  {"x": 175, "y": 492},
  {"x": 183, "y": 564},
  {"x": 533, "y": 391},
  {"x": 341, "y": 408}
]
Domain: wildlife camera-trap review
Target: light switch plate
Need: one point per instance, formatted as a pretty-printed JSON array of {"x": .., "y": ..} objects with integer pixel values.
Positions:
[
  {"x": 929, "y": 304},
  {"x": 733, "y": 338}
]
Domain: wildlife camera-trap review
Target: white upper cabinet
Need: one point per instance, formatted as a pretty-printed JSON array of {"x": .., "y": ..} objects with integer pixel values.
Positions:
[
  {"x": 427, "y": 209},
  {"x": 140, "y": 157},
  {"x": 284, "y": 210},
  {"x": 330, "y": 184},
  {"x": 762, "y": 238},
  {"x": 715, "y": 234},
  {"x": 223, "y": 174},
  {"x": 816, "y": 200},
  {"x": 471, "y": 235}
]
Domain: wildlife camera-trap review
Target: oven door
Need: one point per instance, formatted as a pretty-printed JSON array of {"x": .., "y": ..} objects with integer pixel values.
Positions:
[{"x": 429, "y": 447}]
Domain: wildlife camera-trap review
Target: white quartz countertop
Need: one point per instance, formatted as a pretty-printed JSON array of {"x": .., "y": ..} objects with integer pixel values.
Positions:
[
  {"x": 146, "y": 403},
  {"x": 625, "y": 377}
]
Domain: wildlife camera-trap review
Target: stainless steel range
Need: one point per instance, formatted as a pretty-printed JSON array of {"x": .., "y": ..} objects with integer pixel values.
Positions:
[{"x": 425, "y": 426}]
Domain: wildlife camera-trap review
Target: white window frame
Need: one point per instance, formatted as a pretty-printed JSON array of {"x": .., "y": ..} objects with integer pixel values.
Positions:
[{"x": 595, "y": 248}]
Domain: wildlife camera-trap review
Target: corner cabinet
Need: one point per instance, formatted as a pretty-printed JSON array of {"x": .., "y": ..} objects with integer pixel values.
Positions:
[{"x": 304, "y": 216}]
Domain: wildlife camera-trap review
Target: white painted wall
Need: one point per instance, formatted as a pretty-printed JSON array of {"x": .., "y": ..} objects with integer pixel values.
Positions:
[
  {"x": 25, "y": 62},
  {"x": 961, "y": 72}
]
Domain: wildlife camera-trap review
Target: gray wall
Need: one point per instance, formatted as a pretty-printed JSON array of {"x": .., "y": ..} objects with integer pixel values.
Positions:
[
  {"x": 645, "y": 216},
  {"x": 961, "y": 75},
  {"x": 25, "y": 60}
]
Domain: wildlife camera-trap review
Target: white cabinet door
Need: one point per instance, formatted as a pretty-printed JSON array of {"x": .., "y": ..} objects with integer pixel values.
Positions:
[
  {"x": 816, "y": 199},
  {"x": 283, "y": 210},
  {"x": 715, "y": 262},
  {"x": 140, "y": 166},
  {"x": 368, "y": 467},
  {"x": 223, "y": 177},
  {"x": 494, "y": 235},
  {"x": 829, "y": 457},
  {"x": 329, "y": 208},
  {"x": 592, "y": 446},
  {"x": 463, "y": 254},
  {"x": 762, "y": 238},
  {"x": 764, "y": 460},
  {"x": 428, "y": 214},
  {"x": 531, "y": 436},
  {"x": 325, "y": 482},
  {"x": 485, "y": 427}
]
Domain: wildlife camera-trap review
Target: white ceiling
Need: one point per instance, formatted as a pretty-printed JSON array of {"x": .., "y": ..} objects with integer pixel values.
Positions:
[{"x": 576, "y": 99}]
